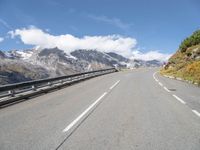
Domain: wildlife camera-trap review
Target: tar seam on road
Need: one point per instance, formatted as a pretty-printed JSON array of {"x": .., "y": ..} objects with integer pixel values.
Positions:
[{"x": 83, "y": 116}]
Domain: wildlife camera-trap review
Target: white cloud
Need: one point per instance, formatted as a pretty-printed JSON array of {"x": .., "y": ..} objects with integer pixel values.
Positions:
[
  {"x": 113, "y": 21},
  {"x": 1, "y": 39},
  {"x": 111, "y": 43},
  {"x": 151, "y": 55},
  {"x": 125, "y": 46}
]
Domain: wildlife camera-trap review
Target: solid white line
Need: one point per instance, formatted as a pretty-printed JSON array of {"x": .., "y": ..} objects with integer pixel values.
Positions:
[
  {"x": 167, "y": 89},
  {"x": 179, "y": 99},
  {"x": 84, "y": 113},
  {"x": 114, "y": 85},
  {"x": 196, "y": 112},
  {"x": 160, "y": 84}
]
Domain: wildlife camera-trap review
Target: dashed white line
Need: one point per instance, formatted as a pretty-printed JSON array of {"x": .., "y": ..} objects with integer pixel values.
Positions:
[
  {"x": 154, "y": 74},
  {"x": 114, "y": 85},
  {"x": 84, "y": 114},
  {"x": 160, "y": 83},
  {"x": 155, "y": 77},
  {"x": 166, "y": 89},
  {"x": 196, "y": 112},
  {"x": 179, "y": 99}
]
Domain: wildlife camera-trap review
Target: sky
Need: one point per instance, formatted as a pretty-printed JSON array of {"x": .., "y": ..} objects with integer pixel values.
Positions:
[{"x": 145, "y": 29}]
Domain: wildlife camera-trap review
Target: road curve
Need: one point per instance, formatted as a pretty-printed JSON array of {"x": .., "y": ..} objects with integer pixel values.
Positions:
[{"x": 137, "y": 109}]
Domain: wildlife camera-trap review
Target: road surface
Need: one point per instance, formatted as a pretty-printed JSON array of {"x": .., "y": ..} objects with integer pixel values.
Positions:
[{"x": 137, "y": 109}]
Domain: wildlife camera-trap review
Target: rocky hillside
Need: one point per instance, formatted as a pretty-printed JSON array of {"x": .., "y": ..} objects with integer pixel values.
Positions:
[
  {"x": 12, "y": 71},
  {"x": 185, "y": 63}
]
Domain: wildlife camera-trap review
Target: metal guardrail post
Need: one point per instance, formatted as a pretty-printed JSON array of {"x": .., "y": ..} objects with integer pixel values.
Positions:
[
  {"x": 33, "y": 87},
  {"x": 61, "y": 81},
  {"x": 11, "y": 93},
  {"x": 49, "y": 84}
]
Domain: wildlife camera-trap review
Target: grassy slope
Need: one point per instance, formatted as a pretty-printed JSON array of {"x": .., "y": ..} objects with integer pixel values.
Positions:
[{"x": 185, "y": 65}]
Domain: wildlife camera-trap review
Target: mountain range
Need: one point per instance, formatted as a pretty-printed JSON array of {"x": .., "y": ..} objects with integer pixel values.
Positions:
[{"x": 32, "y": 64}]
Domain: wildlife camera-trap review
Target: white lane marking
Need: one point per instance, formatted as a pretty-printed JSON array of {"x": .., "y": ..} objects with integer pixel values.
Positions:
[
  {"x": 155, "y": 77},
  {"x": 160, "y": 83},
  {"x": 167, "y": 89},
  {"x": 114, "y": 85},
  {"x": 196, "y": 112},
  {"x": 84, "y": 113},
  {"x": 154, "y": 74},
  {"x": 179, "y": 99}
]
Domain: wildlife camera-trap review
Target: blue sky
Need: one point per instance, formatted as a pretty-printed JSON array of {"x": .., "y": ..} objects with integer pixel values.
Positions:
[{"x": 157, "y": 25}]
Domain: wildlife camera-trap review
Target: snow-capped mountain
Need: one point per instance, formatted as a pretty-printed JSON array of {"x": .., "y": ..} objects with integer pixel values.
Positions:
[
  {"x": 23, "y": 65},
  {"x": 57, "y": 60},
  {"x": 19, "y": 54}
]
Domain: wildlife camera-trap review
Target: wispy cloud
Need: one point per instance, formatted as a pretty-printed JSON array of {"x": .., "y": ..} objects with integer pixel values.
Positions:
[
  {"x": 112, "y": 21},
  {"x": 1, "y": 39},
  {"x": 5, "y": 24}
]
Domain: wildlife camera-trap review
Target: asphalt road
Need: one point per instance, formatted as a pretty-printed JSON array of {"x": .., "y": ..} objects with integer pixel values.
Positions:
[{"x": 137, "y": 109}]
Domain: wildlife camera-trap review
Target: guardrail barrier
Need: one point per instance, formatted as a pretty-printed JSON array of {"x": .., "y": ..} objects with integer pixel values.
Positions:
[{"x": 13, "y": 93}]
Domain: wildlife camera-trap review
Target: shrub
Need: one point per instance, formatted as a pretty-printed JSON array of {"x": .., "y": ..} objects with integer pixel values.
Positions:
[{"x": 194, "y": 39}]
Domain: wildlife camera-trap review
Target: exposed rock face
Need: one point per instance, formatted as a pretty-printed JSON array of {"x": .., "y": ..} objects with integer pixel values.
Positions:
[
  {"x": 12, "y": 71},
  {"x": 56, "y": 62},
  {"x": 118, "y": 57},
  {"x": 195, "y": 54},
  {"x": 97, "y": 59},
  {"x": 2, "y": 55}
]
